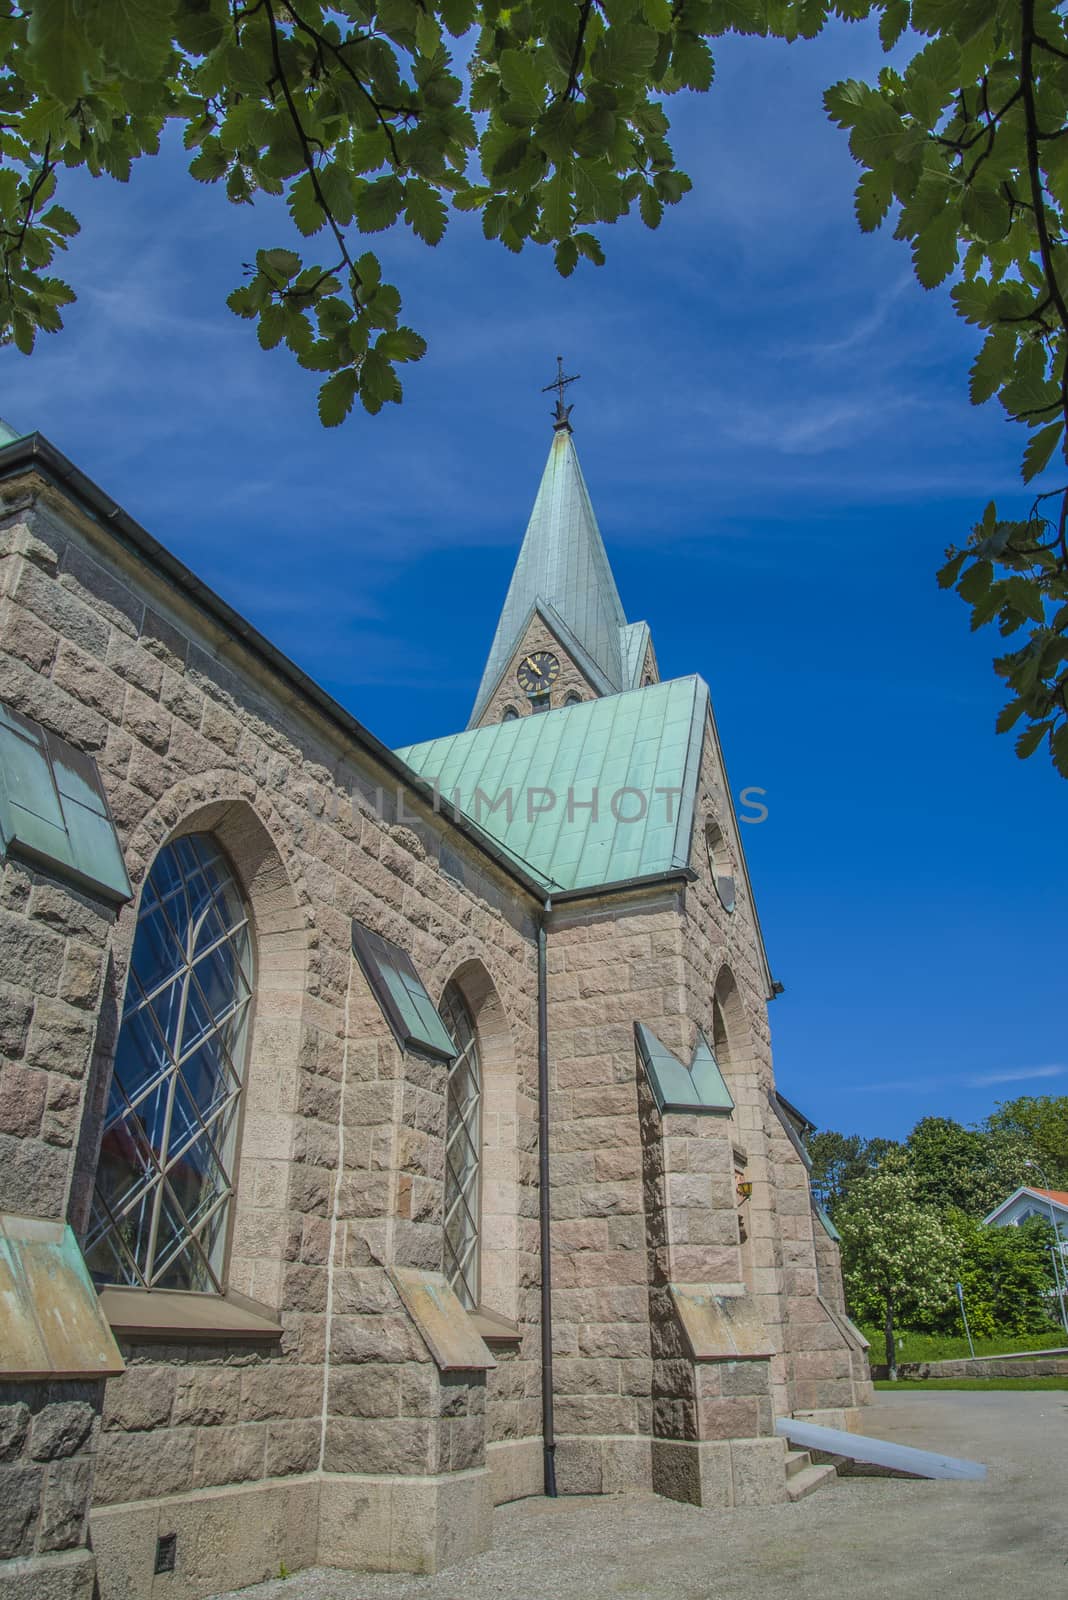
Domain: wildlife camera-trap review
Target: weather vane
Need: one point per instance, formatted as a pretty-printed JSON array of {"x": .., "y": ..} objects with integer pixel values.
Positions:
[{"x": 561, "y": 418}]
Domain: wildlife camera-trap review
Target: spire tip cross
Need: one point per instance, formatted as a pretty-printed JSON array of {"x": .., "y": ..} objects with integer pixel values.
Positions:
[{"x": 560, "y": 383}]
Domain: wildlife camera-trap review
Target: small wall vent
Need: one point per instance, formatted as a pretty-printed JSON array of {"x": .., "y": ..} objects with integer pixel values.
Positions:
[{"x": 166, "y": 1548}]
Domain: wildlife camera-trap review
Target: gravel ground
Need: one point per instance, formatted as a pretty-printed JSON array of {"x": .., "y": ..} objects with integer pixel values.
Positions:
[{"x": 876, "y": 1538}]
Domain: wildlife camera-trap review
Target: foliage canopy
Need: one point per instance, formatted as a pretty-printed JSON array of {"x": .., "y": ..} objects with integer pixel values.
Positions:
[
  {"x": 899, "y": 1259},
  {"x": 356, "y": 115}
]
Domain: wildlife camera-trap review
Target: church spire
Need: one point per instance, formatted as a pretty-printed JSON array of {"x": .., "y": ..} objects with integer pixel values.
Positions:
[{"x": 563, "y": 572}]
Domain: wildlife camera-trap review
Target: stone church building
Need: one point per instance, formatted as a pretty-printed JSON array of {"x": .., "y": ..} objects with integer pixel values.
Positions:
[{"x": 383, "y": 1134}]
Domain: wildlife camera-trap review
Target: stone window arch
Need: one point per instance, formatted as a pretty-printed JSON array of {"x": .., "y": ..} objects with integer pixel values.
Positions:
[
  {"x": 720, "y": 865},
  {"x": 165, "y": 1173},
  {"x": 500, "y": 1119},
  {"x": 509, "y": 714},
  {"x": 572, "y": 698},
  {"x": 463, "y": 1150},
  {"x": 285, "y": 970}
]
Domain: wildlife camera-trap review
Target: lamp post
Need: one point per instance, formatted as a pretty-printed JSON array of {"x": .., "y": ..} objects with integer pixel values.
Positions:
[{"x": 1058, "y": 1259}]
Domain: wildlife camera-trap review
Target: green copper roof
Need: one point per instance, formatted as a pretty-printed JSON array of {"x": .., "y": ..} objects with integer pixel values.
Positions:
[
  {"x": 562, "y": 563},
  {"x": 697, "y": 1088},
  {"x": 8, "y": 434},
  {"x": 589, "y": 794}
]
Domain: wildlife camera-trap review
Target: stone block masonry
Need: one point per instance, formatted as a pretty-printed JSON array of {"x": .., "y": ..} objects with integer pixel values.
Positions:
[{"x": 300, "y": 1416}]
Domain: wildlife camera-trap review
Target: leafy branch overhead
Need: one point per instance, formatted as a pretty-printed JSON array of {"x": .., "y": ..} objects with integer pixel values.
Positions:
[
  {"x": 353, "y": 115},
  {"x": 356, "y": 117}
]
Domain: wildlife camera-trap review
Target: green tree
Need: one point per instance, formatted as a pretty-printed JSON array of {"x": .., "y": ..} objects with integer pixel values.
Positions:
[
  {"x": 1040, "y": 1123},
  {"x": 839, "y": 1160},
  {"x": 354, "y": 114},
  {"x": 970, "y": 1169},
  {"x": 899, "y": 1259},
  {"x": 1007, "y": 1277}
]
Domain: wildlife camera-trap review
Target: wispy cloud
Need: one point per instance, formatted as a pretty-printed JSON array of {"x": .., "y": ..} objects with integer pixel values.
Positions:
[
  {"x": 982, "y": 1080},
  {"x": 1018, "y": 1075}
]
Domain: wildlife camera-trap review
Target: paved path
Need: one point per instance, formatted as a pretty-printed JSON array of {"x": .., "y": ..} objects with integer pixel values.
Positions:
[{"x": 860, "y": 1539}]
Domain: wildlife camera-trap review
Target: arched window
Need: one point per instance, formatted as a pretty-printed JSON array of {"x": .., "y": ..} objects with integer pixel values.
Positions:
[
  {"x": 572, "y": 698},
  {"x": 165, "y": 1176},
  {"x": 463, "y": 1150},
  {"x": 719, "y": 863},
  {"x": 509, "y": 714}
]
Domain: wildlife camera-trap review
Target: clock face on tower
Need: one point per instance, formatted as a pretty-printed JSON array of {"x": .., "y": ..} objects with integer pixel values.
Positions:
[{"x": 538, "y": 672}]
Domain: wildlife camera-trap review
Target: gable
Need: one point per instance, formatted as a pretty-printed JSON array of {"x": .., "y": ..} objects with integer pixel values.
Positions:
[{"x": 544, "y": 630}]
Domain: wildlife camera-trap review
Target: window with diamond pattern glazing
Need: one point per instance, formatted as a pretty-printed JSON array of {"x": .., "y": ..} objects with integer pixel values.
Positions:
[
  {"x": 164, "y": 1181},
  {"x": 463, "y": 1146}
]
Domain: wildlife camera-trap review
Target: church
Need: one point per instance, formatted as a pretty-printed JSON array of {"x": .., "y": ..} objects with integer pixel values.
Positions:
[{"x": 384, "y": 1134}]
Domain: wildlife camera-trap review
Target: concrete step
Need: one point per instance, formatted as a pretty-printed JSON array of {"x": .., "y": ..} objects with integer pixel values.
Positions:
[
  {"x": 808, "y": 1480},
  {"x": 797, "y": 1461},
  {"x": 858, "y": 1453}
]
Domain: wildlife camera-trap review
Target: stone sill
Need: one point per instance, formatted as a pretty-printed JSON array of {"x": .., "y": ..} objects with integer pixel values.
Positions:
[
  {"x": 176, "y": 1313},
  {"x": 493, "y": 1329}
]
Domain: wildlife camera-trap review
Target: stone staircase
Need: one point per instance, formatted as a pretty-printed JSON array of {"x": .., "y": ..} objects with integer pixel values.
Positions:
[{"x": 804, "y": 1476}]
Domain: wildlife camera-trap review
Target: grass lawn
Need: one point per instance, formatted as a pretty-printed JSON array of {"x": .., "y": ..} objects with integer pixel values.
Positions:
[
  {"x": 973, "y": 1383},
  {"x": 953, "y": 1347}
]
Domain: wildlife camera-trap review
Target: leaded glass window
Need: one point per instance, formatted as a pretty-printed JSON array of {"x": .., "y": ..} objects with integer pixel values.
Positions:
[
  {"x": 165, "y": 1176},
  {"x": 463, "y": 1149}
]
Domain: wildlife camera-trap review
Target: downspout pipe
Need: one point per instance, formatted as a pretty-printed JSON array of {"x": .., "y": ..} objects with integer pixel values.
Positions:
[{"x": 545, "y": 1214}]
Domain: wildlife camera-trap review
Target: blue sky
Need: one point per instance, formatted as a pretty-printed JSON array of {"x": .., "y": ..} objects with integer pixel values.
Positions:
[{"x": 773, "y": 422}]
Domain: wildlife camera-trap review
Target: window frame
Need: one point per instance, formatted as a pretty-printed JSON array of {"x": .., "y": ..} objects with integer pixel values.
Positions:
[
  {"x": 63, "y": 767},
  {"x": 473, "y": 1287},
  {"x": 364, "y": 942},
  {"x": 115, "y": 1295}
]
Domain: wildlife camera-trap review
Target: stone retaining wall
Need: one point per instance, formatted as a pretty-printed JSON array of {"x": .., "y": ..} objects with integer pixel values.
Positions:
[{"x": 1026, "y": 1365}]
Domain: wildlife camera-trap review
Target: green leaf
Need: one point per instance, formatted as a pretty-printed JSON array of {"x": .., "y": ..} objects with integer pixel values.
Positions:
[
  {"x": 1030, "y": 392},
  {"x": 972, "y": 300},
  {"x": 279, "y": 264},
  {"x": 1008, "y": 716},
  {"x": 134, "y": 36},
  {"x": 457, "y": 15},
  {"x": 893, "y": 22},
  {"x": 61, "y": 221},
  {"x": 934, "y": 251},
  {"x": 308, "y": 215},
  {"x": 658, "y": 14},
  {"x": 692, "y": 63},
  {"x": 976, "y": 581},
  {"x": 625, "y": 51},
  {"x": 401, "y": 344},
  {"x": 210, "y": 162},
  {"x": 948, "y": 575},
  {"x": 1059, "y": 749},
  {"x": 424, "y": 210},
  {"x": 369, "y": 272},
  {"x": 61, "y": 51},
  {"x": 556, "y": 206},
  {"x": 877, "y": 132},
  {"x": 992, "y": 366},
  {"x": 1030, "y": 739},
  {"x": 378, "y": 204},
  {"x": 336, "y": 396},
  {"x": 523, "y": 78},
  {"x": 271, "y": 328},
  {"x": 874, "y": 196},
  {"x": 985, "y": 212},
  {"x": 566, "y": 257},
  {"x": 1040, "y": 447},
  {"x": 650, "y": 207},
  {"x": 378, "y": 382},
  {"x": 590, "y": 247}
]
